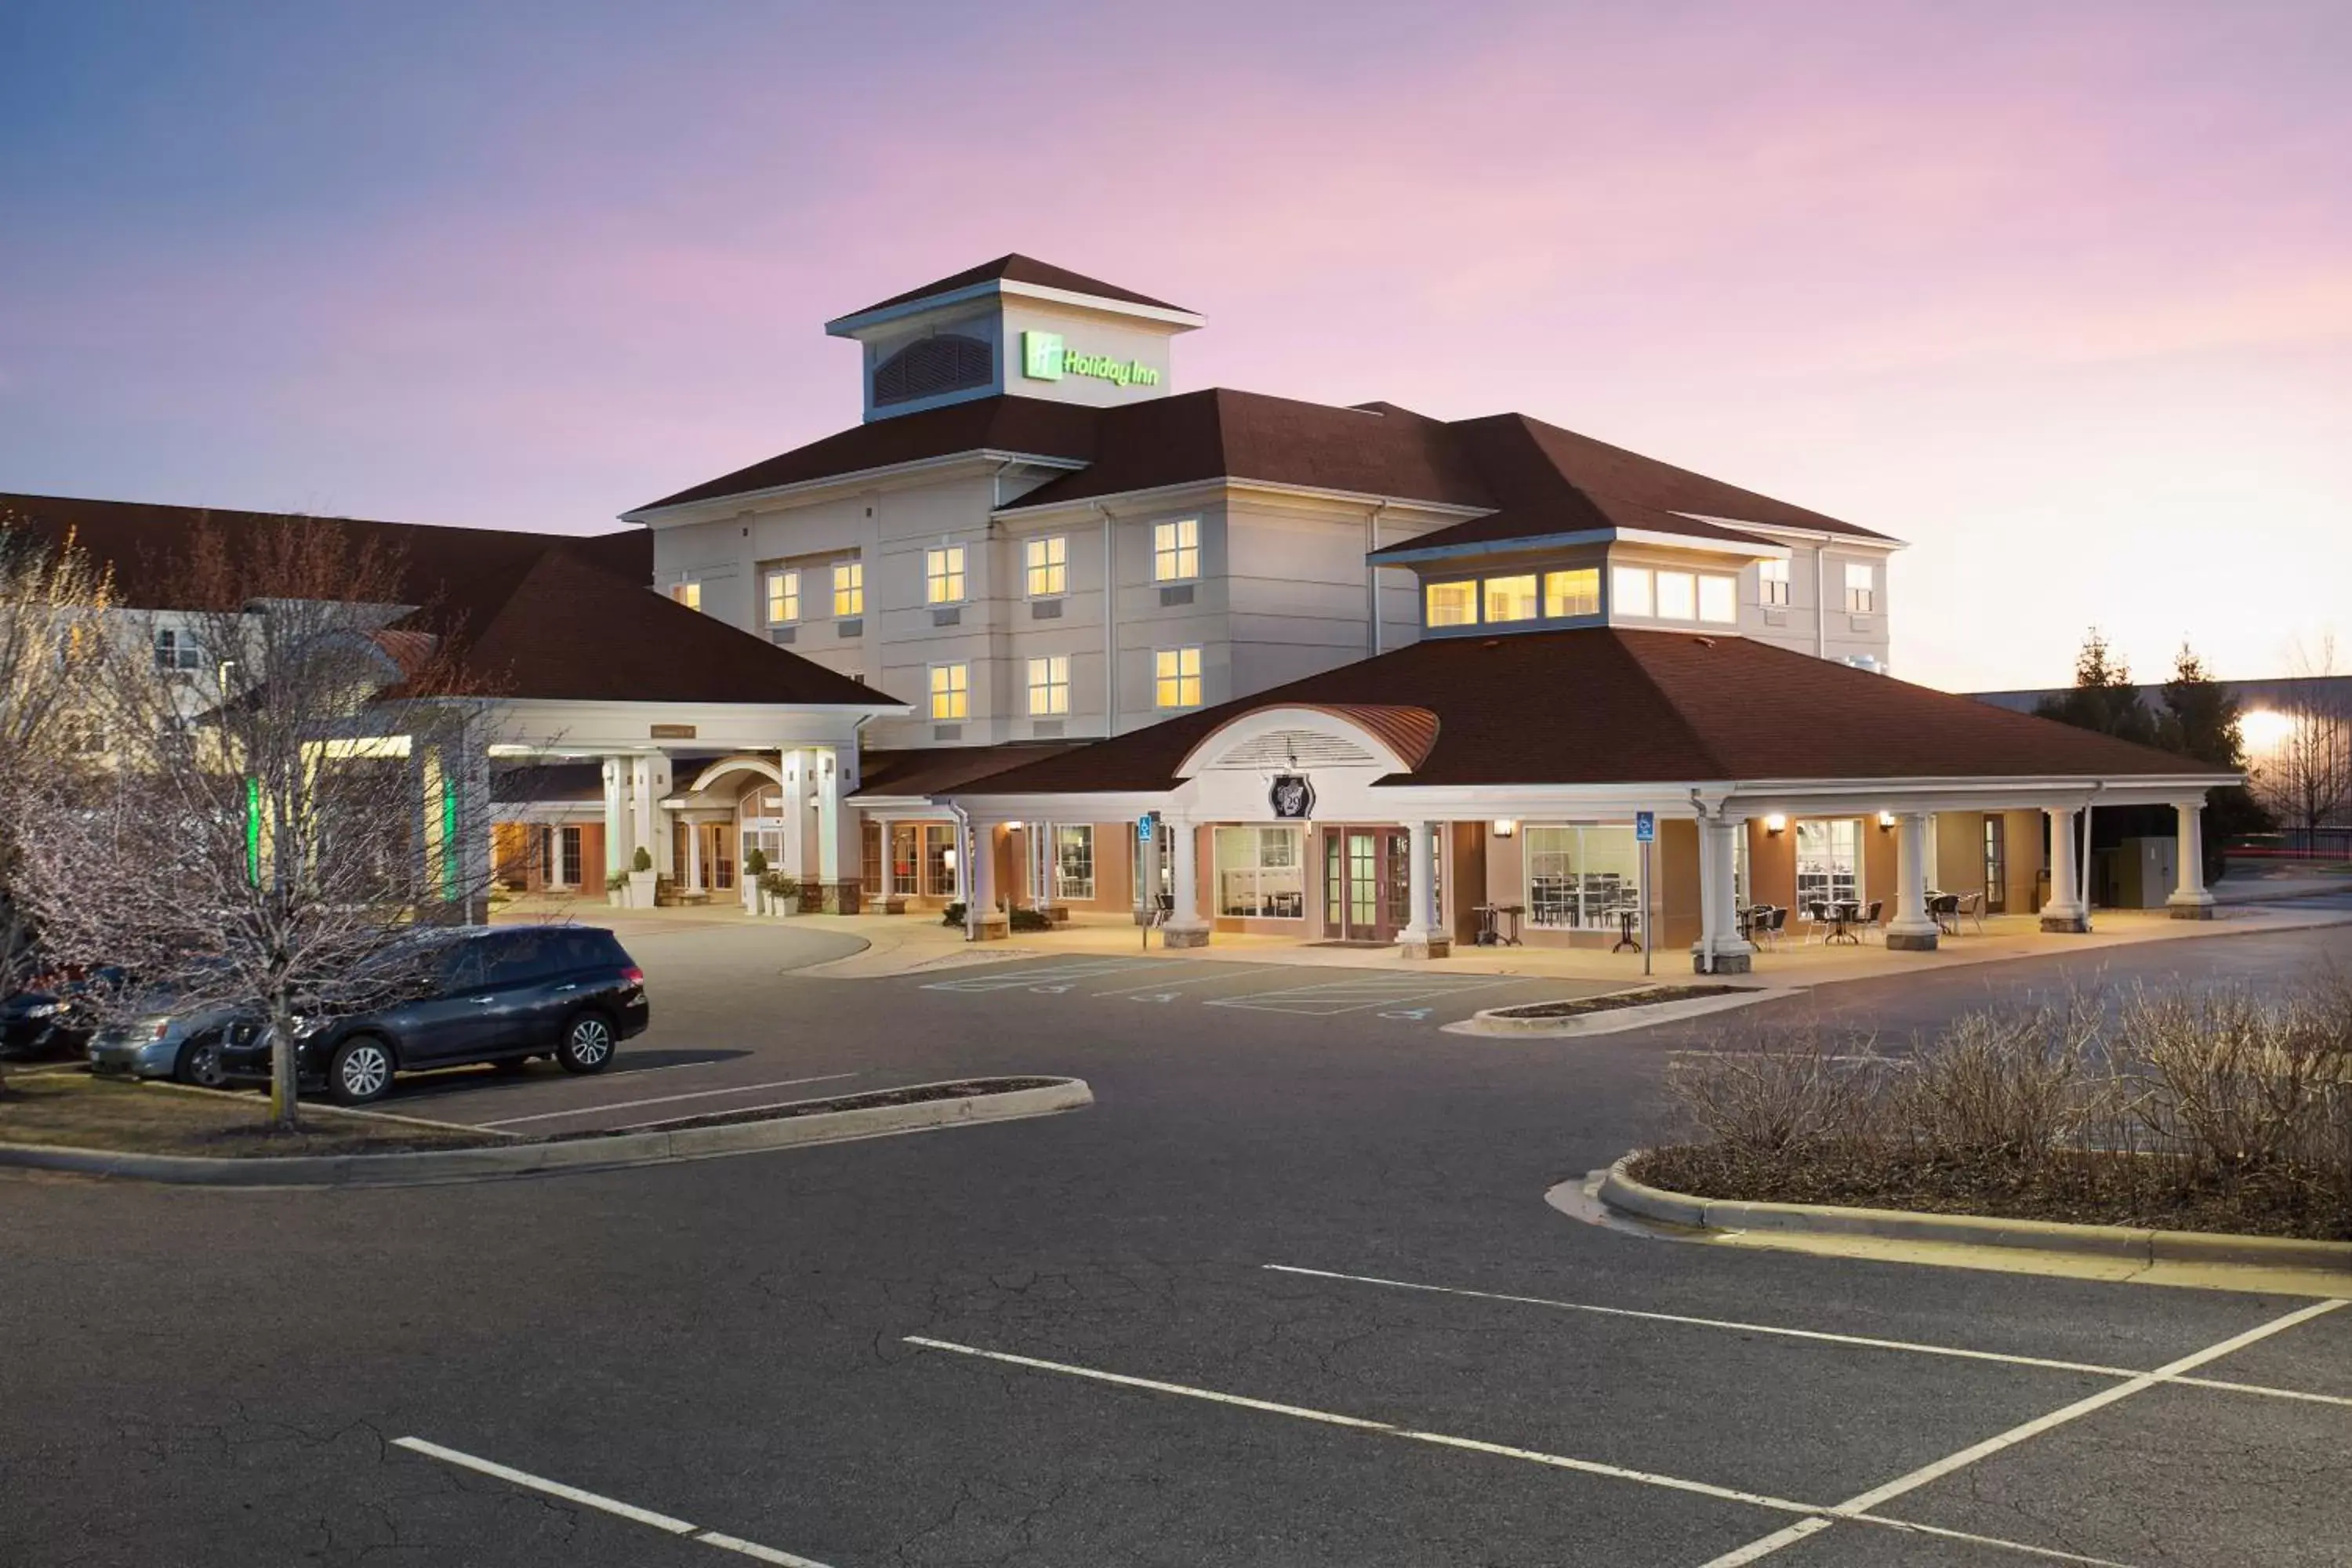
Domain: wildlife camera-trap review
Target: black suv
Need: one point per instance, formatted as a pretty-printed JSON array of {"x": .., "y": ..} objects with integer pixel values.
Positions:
[{"x": 503, "y": 994}]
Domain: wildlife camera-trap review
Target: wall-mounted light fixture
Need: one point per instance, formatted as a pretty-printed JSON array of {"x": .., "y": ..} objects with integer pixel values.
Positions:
[
  {"x": 1885, "y": 822},
  {"x": 1775, "y": 825},
  {"x": 1505, "y": 828},
  {"x": 947, "y": 859}
]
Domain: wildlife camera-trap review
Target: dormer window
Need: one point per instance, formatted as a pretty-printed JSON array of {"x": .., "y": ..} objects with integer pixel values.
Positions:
[
  {"x": 1772, "y": 583},
  {"x": 1644, "y": 592},
  {"x": 1449, "y": 605},
  {"x": 1575, "y": 593},
  {"x": 1629, "y": 592},
  {"x": 1511, "y": 598}
]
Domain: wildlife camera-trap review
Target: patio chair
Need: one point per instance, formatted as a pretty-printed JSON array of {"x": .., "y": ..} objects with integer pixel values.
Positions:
[
  {"x": 1776, "y": 925},
  {"x": 1817, "y": 921},
  {"x": 1944, "y": 909},
  {"x": 1870, "y": 919},
  {"x": 1972, "y": 908}
]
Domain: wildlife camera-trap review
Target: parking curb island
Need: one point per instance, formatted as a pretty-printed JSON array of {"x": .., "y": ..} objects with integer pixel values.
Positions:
[
  {"x": 1623, "y": 1193},
  {"x": 580, "y": 1152},
  {"x": 1498, "y": 1021}
]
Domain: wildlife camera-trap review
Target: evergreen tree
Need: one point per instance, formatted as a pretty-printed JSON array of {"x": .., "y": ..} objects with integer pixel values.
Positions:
[
  {"x": 2200, "y": 720},
  {"x": 2102, "y": 697}
]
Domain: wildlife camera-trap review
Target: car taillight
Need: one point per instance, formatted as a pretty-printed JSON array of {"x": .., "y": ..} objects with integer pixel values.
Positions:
[{"x": 633, "y": 975}]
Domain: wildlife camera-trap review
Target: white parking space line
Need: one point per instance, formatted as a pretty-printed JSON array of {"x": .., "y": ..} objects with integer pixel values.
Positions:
[
  {"x": 666, "y": 1099},
  {"x": 1233, "y": 974},
  {"x": 1053, "y": 974},
  {"x": 1352, "y": 997},
  {"x": 1862, "y": 1341},
  {"x": 1859, "y": 1506},
  {"x": 1817, "y": 1518},
  {"x": 630, "y": 1512}
]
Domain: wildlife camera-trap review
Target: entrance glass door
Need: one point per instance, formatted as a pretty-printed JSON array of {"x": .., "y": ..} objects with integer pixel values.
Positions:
[{"x": 1367, "y": 883}]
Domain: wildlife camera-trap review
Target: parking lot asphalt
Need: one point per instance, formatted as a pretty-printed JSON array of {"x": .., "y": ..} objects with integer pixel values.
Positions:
[{"x": 1287, "y": 1294}]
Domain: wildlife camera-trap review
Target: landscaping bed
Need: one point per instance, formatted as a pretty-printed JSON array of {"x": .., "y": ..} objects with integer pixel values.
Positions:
[
  {"x": 964, "y": 1089},
  {"x": 77, "y": 1111},
  {"x": 1648, "y": 996},
  {"x": 2139, "y": 1191}
]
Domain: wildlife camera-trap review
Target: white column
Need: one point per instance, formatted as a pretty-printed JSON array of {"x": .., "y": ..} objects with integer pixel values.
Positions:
[
  {"x": 1049, "y": 892},
  {"x": 1912, "y": 929},
  {"x": 794, "y": 839},
  {"x": 2064, "y": 912},
  {"x": 649, "y": 782},
  {"x": 1720, "y": 949},
  {"x": 962, "y": 867},
  {"x": 889, "y": 893},
  {"x": 1425, "y": 936},
  {"x": 693, "y": 856},
  {"x": 1185, "y": 927},
  {"x": 982, "y": 920},
  {"x": 617, "y": 841},
  {"x": 2190, "y": 899},
  {"x": 840, "y": 849}
]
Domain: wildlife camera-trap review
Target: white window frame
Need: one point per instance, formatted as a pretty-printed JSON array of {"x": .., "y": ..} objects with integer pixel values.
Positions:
[
  {"x": 1176, "y": 550},
  {"x": 1861, "y": 588},
  {"x": 1724, "y": 593},
  {"x": 1773, "y": 584},
  {"x": 1469, "y": 585},
  {"x": 1666, "y": 580},
  {"x": 1555, "y": 607},
  {"x": 1045, "y": 566},
  {"x": 950, "y": 691},
  {"x": 945, "y": 581},
  {"x": 178, "y": 651},
  {"x": 1073, "y": 843},
  {"x": 1533, "y": 601},
  {"x": 1164, "y": 679},
  {"x": 1632, "y": 593},
  {"x": 780, "y": 588},
  {"x": 1049, "y": 680},
  {"x": 848, "y": 589}
]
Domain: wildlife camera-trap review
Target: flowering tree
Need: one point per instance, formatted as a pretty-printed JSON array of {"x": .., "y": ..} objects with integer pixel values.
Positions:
[
  {"x": 51, "y": 600},
  {"x": 296, "y": 779}
]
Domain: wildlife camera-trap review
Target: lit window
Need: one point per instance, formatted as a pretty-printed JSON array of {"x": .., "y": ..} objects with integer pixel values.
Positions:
[
  {"x": 1261, "y": 873},
  {"x": 176, "y": 650},
  {"x": 1048, "y": 566},
  {"x": 1629, "y": 591},
  {"x": 849, "y": 587},
  {"x": 1581, "y": 877},
  {"x": 943, "y": 576},
  {"x": 1511, "y": 598},
  {"x": 950, "y": 690},
  {"x": 1575, "y": 593},
  {"x": 1074, "y": 862},
  {"x": 1677, "y": 596},
  {"x": 1049, "y": 686},
  {"x": 687, "y": 593},
  {"x": 783, "y": 597},
  {"x": 1861, "y": 587},
  {"x": 1772, "y": 582},
  {"x": 1451, "y": 604},
  {"x": 1177, "y": 678},
  {"x": 1176, "y": 549},
  {"x": 1718, "y": 599}
]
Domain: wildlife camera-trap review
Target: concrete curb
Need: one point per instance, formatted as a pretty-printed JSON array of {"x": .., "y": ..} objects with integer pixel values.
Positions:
[
  {"x": 1623, "y": 1193},
  {"x": 1614, "y": 1020},
  {"x": 618, "y": 1151}
]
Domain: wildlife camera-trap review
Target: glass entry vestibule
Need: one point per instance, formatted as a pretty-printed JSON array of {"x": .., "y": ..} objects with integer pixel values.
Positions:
[{"x": 1367, "y": 883}]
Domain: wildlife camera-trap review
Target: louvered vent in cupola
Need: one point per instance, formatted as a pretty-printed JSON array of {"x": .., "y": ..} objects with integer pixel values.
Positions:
[{"x": 1294, "y": 749}]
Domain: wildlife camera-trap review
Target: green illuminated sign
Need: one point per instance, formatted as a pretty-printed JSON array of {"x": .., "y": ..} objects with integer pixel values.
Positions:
[
  {"x": 253, "y": 831},
  {"x": 450, "y": 862},
  {"x": 1043, "y": 358}
]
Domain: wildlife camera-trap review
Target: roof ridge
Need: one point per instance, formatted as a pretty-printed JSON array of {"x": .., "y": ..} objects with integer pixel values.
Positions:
[{"x": 1705, "y": 744}]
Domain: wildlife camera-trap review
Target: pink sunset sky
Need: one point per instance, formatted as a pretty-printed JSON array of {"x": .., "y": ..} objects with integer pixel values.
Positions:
[{"x": 2060, "y": 293}]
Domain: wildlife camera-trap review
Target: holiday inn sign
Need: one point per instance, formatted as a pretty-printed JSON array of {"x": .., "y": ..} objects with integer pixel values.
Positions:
[{"x": 1043, "y": 358}]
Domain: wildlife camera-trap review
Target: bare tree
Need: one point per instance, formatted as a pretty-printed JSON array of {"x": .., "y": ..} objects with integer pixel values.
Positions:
[
  {"x": 52, "y": 602},
  {"x": 296, "y": 779},
  {"x": 2306, "y": 778}
]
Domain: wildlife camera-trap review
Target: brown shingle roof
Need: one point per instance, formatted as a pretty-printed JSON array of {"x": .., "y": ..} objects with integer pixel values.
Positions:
[
  {"x": 1018, "y": 268},
  {"x": 929, "y": 770},
  {"x": 1029, "y": 426},
  {"x": 1601, "y": 705},
  {"x": 534, "y": 615}
]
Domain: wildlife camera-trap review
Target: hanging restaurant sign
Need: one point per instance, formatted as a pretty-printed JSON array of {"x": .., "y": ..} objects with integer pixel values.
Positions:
[{"x": 1291, "y": 797}]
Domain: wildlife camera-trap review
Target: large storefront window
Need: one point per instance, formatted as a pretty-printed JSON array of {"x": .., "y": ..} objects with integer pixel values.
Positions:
[
  {"x": 1074, "y": 862},
  {"x": 1260, "y": 873},
  {"x": 1582, "y": 877},
  {"x": 939, "y": 860},
  {"x": 1829, "y": 860}
]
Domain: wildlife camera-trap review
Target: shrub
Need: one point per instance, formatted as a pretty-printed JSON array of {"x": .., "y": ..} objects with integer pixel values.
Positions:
[
  {"x": 952, "y": 915},
  {"x": 642, "y": 860},
  {"x": 755, "y": 862},
  {"x": 1029, "y": 920}
]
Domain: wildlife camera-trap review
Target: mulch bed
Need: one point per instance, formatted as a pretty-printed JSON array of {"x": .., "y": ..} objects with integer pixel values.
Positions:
[
  {"x": 1646, "y": 997},
  {"x": 2138, "y": 1190},
  {"x": 78, "y": 1110}
]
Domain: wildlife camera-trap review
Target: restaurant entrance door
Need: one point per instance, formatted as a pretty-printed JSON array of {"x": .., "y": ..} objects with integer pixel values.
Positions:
[{"x": 1367, "y": 884}]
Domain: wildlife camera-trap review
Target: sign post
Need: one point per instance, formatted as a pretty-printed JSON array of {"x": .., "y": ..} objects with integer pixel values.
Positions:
[
  {"x": 1645, "y": 833},
  {"x": 1145, "y": 868}
]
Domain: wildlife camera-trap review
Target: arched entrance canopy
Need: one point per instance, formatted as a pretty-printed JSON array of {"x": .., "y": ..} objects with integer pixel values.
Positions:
[{"x": 1394, "y": 738}]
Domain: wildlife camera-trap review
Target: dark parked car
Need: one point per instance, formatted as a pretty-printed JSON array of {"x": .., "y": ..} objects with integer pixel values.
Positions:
[
  {"x": 502, "y": 995},
  {"x": 53, "y": 1015}
]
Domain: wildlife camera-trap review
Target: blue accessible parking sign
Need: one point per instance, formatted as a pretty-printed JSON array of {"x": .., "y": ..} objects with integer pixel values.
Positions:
[
  {"x": 1646, "y": 827},
  {"x": 1144, "y": 827}
]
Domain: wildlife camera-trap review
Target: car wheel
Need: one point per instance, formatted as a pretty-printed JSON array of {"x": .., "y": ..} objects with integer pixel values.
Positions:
[
  {"x": 587, "y": 1044},
  {"x": 199, "y": 1063},
  {"x": 360, "y": 1071}
]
